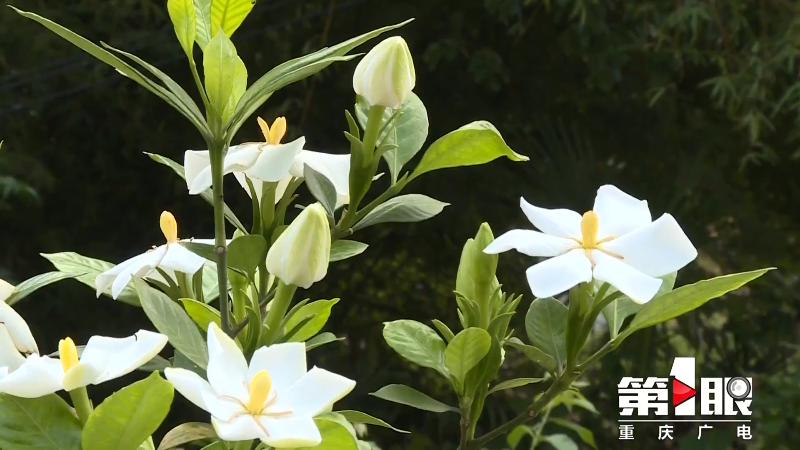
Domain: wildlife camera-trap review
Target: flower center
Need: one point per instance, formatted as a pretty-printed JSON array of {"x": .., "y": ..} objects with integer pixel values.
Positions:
[
  {"x": 169, "y": 226},
  {"x": 260, "y": 388},
  {"x": 273, "y": 135},
  {"x": 589, "y": 225},
  {"x": 68, "y": 354}
]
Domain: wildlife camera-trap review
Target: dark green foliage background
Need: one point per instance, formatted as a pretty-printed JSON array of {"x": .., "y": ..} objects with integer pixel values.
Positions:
[{"x": 693, "y": 105}]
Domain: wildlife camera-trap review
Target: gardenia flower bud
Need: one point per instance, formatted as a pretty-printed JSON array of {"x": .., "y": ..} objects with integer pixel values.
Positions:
[
  {"x": 386, "y": 74},
  {"x": 301, "y": 253}
]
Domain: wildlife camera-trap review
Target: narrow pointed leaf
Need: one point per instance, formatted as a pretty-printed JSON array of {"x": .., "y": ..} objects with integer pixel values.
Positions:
[
  {"x": 186, "y": 433},
  {"x": 360, "y": 417},
  {"x": 85, "y": 270},
  {"x": 515, "y": 383},
  {"x": 37, "y": 282},
  {"x": 405, "y": 208},
  {"x": 182, "y": 15},
  {"x": 229, "y": 14},
  {"x": 546, "y": 323},
  {"x": 405, "y": 395},
  {"x": 344, "y": 249},
  {"x": 417, "y": 343}
]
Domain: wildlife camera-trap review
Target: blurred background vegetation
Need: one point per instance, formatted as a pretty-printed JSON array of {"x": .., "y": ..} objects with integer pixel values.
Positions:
[{"x": 691, "y": 104}]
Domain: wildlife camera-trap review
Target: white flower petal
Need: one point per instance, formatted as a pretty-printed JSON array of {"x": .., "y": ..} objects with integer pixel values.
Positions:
[
  {"x": 80, "y": 375},
  {"x": 618, "y": 212},
  {"x": 180, "y": 259},
  {"x": 241, "y": 157},
  {"x": 286, "y": 364},
  {"x": 197, "y": 167},
  {"x": 120, "y": 275},
  {"x": 531, "y": 243},
  {"x": 259, "y": 187},
  {"x": 655, "y": 250},
  {"x": 274, "y": 161},
  {"x": 36, "y": 377},
  {"x": 6, "y": 289},
  {"x": 17, "y": 329},
  {"x": 10, "y": 357},
  {"x": 227, "y": 367},
  {"x": 291, "y": 432},
  {"x": 120, "y": 356},
  {"x": 636, "y": 285},
  {"x": 562, "y": 223},
  {"x": 335, "y": 168},
  {"x": 190, "y": 385},
  {"x": 223, "y": 408},
  {"x": 316, "y": 391},
  {"x": 242, "y": 428},
  {"x": 559, "y": 274}
]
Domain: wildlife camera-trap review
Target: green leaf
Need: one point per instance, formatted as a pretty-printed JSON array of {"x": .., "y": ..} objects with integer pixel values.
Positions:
[
  {"x": 443, "y": 329},
  {"x": 408, "y": 131},
  {"x": 180, "y": 361},
  {"x": 584, "y": 433},
  {"x": 405, "y": 395},
  {"x": 486, "y": 370},
  {"x": 534, "y": 354},
  {"x": 405, "y": 208},
  {"x": 37, "y": 282},
  {"x": 203, "y": 250},
  {"x": 121, "y": 66},
  {"x": 147, "y": 444},
  {"x": 38, "y": 423},
  {"x": 171, "y": 320},
  {"x": 85, "y": 270},
  {"x": 321, "y": 339},
  {"x": 182, "y": 15},
  {"x": 334, "y": 436},
  {"x": 220, "y": 64},
  {"x": 129, "y": 416},
  {"x": 246, "y": 252},
  {"x": 210, "y": 282},
  {"x": 545, "y": 324},
  {"x": 417, "y": 343},
  {"x": 476, "y": 278},
  {"x": 238, "y": 90},
  {"x": 201, "y": 313},
  {"x": 318, "y": 312},
  {"x": 157, "y": 363},
  {"x": 202, "y": 12},
  {"x": 617, "y": 311},
  {"x": 186, "y": 433},
  {"x": 321, "y": 188},
  {"x": 295, "y": 70},
  {"x": 517, "y": 434},
  {"x": 473, "y": 144},
  {"x": 515, "y": 383},
  {"x": 219, "y": 445},
  {"x": 561, "y": 442},
  {"x": 344, "y": 249},
  {"x": 207, "y": 194},
  {"x": 229, "y": 14},
  {"x": 685, "y": 299},
  {"x": 465, "y": 351},
  {"x": 579, "y": 312},
  {"x": 360, "y": 417}
]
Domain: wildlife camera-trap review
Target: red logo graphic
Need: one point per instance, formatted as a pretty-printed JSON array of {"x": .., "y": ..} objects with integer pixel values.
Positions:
[{"x": 681, "y": 392}]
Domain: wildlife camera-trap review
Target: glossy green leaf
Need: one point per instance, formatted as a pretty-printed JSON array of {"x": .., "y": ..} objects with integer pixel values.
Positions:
[
  {"x": 405, "y": 208},
  {"x": 246, "y": 252},
  {"x": 201, "y": 313},
  {"x": 360, "y": 417},
  {"x": 685, "y": 299},
  {"x": 38, "y": 423},
  {"x": 186, "y": 433},
  {"x": 546, "y": 323},
  {"x": 129, "y": 416},
  {"x": 473, "y": 144},
  {"x": 202, "y": 12},
  {"x": 517, "y": 434},
  {"x": 334, "y": 436},
  {"x": 37, "y": 282},
  {"x": 465, "y": 351},
  {"x": 85, "y": 270},
  {"x": 237, "y": 91},
  {"x": 584, "y": 433},
  {"x": 220, "y": 63},
  {"x": 417, "y": 343},
  {"x": 476, "y": 278},
  {"x": 321, "y": 188},
  {"x": 535, "y": 354},
  {"x": 318, "y": 312},
  {"x": 172, "y": 321},
  {"x": 617, "y": 311},
  {"x": 405, "y": 395},
  {"x": 444, "y": 330},
  {"x": 561, "y": 442},
  {"x": 182, "y": 15},
  {"x": 515, "y": 383},
  {"x": 344, "y": 249},
  {"x": 229, "y": 14},
  {"x": 578, "y": 314},
  {"x": 321, "y": 339},
  {"x": 207, "y": 195}
]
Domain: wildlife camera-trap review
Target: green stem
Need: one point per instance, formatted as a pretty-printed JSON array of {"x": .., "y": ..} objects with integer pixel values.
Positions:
[
  {"x": 220, "y": 246},
  {"x": 82, "y": 404},
  {"x": 197, "y": 81},
  {"x": 243, "y": 445},
  {"x": 538, "y": 436},
  {"x": 466, "y": 404},
  {"x": 371, "y": 134},
  {"x": 277, "y": 310},
  {"x": 604, "y": 350},
  {"x": 560, "y": 385}
]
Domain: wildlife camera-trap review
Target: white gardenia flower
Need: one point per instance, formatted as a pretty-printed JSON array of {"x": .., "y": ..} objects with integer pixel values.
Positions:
[
  {"x": 269, "y": 161},
  {"x": 170, "y": 257},
  {"x": 274, "y": 399},
  {"x": 14, "y": 333},
  {"x": 103, "y": 359},
  {"x": 385, "y": 75},
  {"x": 616, "y": 242},
  {"x": 301, "y": 254}
]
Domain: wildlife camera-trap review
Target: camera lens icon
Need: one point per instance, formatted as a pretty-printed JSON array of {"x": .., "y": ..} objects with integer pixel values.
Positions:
[{"x": 738, "y": 388}]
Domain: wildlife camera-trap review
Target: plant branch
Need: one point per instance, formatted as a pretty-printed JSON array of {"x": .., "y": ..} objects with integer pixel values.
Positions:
[
  {"x": 277, "y": 312},
  {"x": 220, "y": 245},
  {"x": 262, "y": 305},
  {"x": 81, "y": 403},
  {"x": 466, "y": 404}
]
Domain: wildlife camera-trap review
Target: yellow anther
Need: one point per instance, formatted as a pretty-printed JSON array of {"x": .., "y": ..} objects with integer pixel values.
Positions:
[
  {"x": 68, "y": 354},
  {"x": 260, "y": 388},
  {"x": 169, "y": 226},
  {"x": 589, "y": 226}
]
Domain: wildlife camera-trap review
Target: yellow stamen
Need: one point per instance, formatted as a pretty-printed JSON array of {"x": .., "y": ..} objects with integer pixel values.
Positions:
[
  {"x": 260, "y": 388},
  {"x": 264, "y": 128},
  {"x": 277, "y": 131},
  {"x": 169, "y": 226},
  {"x": 68, "y": 354},
  {"x": 589, "y": 226}
]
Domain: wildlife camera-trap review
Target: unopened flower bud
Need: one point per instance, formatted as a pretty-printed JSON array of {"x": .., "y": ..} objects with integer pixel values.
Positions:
[
  {"x": 386, "y": 74},
  {"x": 301, "y": 253}
]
